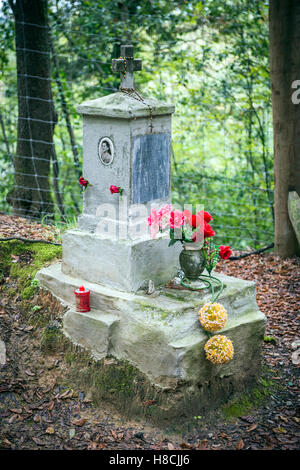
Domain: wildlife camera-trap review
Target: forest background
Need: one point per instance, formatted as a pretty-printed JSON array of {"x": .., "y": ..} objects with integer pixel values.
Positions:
[{"x": 210, "y": 58}]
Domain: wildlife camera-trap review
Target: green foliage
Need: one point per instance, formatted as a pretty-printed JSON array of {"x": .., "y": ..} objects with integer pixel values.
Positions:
[
  {"x": 270, "y": 339},
  {"x": 209, "y": 58},
  {"x": 23, "y": 272},
  {"x": 52, "y": 339},
  {"x": 36, "y": 308}
]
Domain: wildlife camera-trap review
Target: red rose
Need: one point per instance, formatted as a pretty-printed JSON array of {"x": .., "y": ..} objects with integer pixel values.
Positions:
[
  {"x": 206, "y": 216},
  {"x": 194, "y": 220},
  {"x": 114, "y": 189},
  {"x": 224, "y": 252},
  {"x": 83, "y": 182},
  {"x": 208, "y": 231},
  {"x": 197, "y": 237}
]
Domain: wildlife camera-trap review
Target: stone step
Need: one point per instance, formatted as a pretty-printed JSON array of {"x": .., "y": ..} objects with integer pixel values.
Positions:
[
  {"x": 92, "y": 330},
  {"x": 160, "y": 333},
  {"x": 238, "y": 297},
  {"x": 63, "y": 286}
]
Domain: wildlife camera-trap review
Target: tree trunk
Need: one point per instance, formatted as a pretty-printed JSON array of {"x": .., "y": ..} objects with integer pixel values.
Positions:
[
  {"x": 36, "y": 120},
  {"x": 284, "y": 17},
  {"x": 4, "y": 135},
  {"x": 65, "y": 110}
]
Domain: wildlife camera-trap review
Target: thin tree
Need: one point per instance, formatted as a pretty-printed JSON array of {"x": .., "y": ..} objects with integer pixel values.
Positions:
[
  {"x": 36, "y": 118},
  {"x": 284, "y": 18}
]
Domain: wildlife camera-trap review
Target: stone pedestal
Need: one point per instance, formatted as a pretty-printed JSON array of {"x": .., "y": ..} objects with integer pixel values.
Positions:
[
  {"x": 112, "y": 244},
  {"x": 124, "y": 264},
  {"x": 161, "y": 336}
]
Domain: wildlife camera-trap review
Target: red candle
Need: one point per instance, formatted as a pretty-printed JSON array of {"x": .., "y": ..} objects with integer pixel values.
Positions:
[{"x": 82, "y": 297}]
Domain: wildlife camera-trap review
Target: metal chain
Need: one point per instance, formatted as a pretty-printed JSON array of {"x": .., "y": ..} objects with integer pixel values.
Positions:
[{"x": 131, "y": 92}]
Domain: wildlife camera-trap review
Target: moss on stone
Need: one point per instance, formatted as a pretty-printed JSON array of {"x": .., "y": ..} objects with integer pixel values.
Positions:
[
  {"x": 28, "y": 292},
  {"x": 245, "y": 402},
  {"x": 22, "y": 271},
  {"x": 11, "y": 292},
  {"x": 52, "y": 340},
  {"x": 156, "y": 311},
  {"x": 116, "y": 382},
  {"x": 270, "y": 339},
  {"x": 145, "y": 307},
  {"x": 180, "y": 298}
]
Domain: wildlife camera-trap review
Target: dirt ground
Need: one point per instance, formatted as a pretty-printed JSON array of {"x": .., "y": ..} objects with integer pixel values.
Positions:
[{"x": 39, "y": 411}]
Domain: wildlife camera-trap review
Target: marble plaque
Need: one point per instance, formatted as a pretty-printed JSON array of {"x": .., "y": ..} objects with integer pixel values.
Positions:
[{"x": 150, "y": 167}]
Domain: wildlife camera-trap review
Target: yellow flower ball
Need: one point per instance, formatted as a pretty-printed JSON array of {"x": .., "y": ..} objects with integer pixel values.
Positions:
[
  {"x": 213, "y": 317},
  {"x": 219, "y": 349}
]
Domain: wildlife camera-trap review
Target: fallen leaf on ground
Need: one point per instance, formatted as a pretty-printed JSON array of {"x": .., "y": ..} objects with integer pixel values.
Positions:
[
  {"x": 148, "y": 402},
  {"x": 252, "y": 427},
  {"x": 50, "y": 430},
  {"x": 203, "y": 445},
  {"x": 240, "y": 445},
  {"x": 79, "y": 422},
  {"x": 38, "y": 441},
  {"x": 283, "y": 418},
  {"x": 51, "y": 405},
  {"x": 185, "y": 445},
  {"x": 16, "y": 410},
  {"x": 280, "y": 429}
]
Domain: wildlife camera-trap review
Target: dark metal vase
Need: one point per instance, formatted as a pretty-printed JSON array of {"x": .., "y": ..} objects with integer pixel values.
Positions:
[{"x": 191, "y": 262}]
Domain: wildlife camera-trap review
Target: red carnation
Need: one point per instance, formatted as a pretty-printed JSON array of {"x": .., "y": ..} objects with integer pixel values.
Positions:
[
  {"x": 176, "y": 219},
  {"x": 224, "y": 252},
  {"x": 83, "y": 182},
  {"x": 116, "y": 189},
  {"x": 187, "y": 214}
]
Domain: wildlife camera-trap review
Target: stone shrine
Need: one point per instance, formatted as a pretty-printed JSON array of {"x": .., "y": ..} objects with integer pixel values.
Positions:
[
  {"x": 126, "y": 143},
  {"x": 136, "y": 136}
]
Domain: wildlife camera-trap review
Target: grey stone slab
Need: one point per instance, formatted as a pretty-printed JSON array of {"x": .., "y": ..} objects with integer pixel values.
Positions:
[
  {"x": 123, "y": 170},
  {"x": 122, "y": 264},
  {"x": 150, "y": 167},
  {"x": 103, "y": 176},
  {"x": 121, "y": 105},
  {"x": 91, "y": 330}
]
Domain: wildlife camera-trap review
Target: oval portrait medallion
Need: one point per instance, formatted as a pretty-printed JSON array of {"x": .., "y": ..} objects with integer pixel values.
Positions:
[{"x": 105, "y": 150}]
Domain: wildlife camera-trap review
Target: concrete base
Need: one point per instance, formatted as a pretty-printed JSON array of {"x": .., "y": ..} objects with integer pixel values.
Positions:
[
  {"x": 160, "y": 334},
  {"x": 123, "y": 264}
]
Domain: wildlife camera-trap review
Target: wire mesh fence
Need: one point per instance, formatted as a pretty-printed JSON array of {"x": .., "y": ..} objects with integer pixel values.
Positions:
[{"x": 222, "y": 137}]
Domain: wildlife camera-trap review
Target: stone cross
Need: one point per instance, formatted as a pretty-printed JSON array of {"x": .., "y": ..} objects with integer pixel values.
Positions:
[{"x": 126, "y": 65}]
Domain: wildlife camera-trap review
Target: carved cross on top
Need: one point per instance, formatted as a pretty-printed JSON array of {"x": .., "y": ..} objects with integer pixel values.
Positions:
[{"x": 126, "y": 65}]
